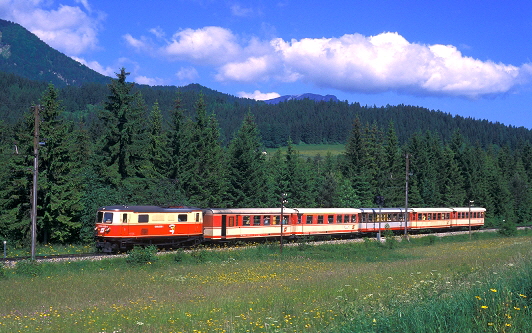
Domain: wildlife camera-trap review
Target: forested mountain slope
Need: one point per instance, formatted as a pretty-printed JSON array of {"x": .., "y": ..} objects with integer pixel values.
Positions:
[{"x": 24, "y": 54}]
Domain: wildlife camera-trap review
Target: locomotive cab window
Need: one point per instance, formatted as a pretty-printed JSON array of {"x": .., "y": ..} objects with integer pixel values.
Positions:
[
  {"x": 104, "y": 217},
  {"x": 182, "y": 218}
]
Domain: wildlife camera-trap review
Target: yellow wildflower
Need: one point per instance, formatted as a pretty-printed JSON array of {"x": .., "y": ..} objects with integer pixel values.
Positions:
[
  {"x": 494, "y": 290},
  {"x": 484, "y": 306}
]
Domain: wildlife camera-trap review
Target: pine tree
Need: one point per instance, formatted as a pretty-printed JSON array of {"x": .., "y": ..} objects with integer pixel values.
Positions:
[
  {"x": 16, "y": 183},
  {"x": 203, "y": 173},
  {"x": 355, "y": 167},
  {"x": 246, "y": 164},
  {"x": 123, "y": 146},
  {"x": 62, "y": 160},
  {"x": 158, "y": 143},
  {"x": 297, "y": 179},
  {"x": 393, "y": 174}
]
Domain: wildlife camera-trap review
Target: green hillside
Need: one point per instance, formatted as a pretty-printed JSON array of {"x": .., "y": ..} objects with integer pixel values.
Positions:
[{"x": 24, "y": 54}]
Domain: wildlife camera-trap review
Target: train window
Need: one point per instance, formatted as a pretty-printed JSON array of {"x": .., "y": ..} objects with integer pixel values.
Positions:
[
  {"x": 309, "y": 219},
  {"x": 256, "y": 220},
  {"x": 245, "y": 220},
  {"x": 364, "y": 218},
  {"x": 338, "y": 218},
  {"x": 419, "y": 216},
  {"x": 197, "y": 217},
  {"x": 353, "y": 218},
  {"x": 370, "y": 217},
  {"x": 266, "y": 220},
  {"x": 330, "y": 219},
  {"x": 182, "y": 218},
  {"x": 144, "y": 218},
  {"x": 320, "y": 219},
  {"x": 275, "y": 219},
  {"x": 284, "y": 220},
  {"x": 299, "y": 218},
  {"x": 105, "y": 217},
  {"x": 124, "y": 218},
  {"x": 231, "y": 221},
  {"x": 429, "y": 216},
  {"x": 401, "y": 217}
]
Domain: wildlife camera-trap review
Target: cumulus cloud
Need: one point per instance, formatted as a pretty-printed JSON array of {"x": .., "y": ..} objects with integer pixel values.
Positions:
[
  {"x": 69, "y": 29},
  {"x": 258, "y": 95},
  {"x": 351, "y": 63},
  {"x": 386, "y": 62},
  {"x": 209, "y": 45}
]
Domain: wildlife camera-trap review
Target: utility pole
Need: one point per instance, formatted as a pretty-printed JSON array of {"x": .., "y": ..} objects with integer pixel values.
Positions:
[{"x": 36, "y": 110}]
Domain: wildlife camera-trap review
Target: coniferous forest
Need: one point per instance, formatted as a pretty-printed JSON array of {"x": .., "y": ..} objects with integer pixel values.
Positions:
[{"x": 127, "y": 144}]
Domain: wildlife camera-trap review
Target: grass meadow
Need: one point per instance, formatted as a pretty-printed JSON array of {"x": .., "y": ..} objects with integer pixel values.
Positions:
[
  {"x": 427, "y": 284},
  {"x": 311, "y": 150}
]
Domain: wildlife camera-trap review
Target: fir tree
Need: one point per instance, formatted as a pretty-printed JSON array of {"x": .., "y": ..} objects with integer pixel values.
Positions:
[
  {"x": 62, "y": 160},
  {"x": 246, "y": 164},
  {"x": 123, "y": 147}
]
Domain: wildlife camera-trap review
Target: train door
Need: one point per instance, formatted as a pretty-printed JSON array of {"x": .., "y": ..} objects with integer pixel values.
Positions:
[
  {"x": 124, "y": 224},
  {"x": 224, "y": 226}
]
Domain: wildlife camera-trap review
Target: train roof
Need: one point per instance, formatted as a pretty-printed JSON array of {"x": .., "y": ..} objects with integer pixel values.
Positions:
[
  {"x": 149, "y": 209},
  {"x": 328, "y": 210},
  {"x": 385, "y": 210},
  {"x": 250, "y": 211}
]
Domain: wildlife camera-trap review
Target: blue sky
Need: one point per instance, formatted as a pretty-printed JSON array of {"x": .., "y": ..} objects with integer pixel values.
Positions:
[{"x": 471, "y": 58}]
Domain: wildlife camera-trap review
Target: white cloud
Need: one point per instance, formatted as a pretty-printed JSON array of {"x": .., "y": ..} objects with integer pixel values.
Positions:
[
  {"x": 209, "y": 45},
  {"x": 388, "y": 62},
  {"x": 253, "y": 69},
  {"x": 94, "y": 65},
  {"x": 189, "y": 74},
  {"x": 68, "y": 29},
  {"x": 139, "y": 44},
  {"x": 351, "y": 63},
  {"x": 150, "y": 81},
  {"x": 259, "y": 95}
]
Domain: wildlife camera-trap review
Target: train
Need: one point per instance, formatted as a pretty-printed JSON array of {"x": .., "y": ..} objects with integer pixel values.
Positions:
[{"x": 119, "y": 228}]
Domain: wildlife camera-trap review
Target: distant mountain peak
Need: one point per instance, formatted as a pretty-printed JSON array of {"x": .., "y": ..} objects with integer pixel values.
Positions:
[{"x": 312, "y": 97}]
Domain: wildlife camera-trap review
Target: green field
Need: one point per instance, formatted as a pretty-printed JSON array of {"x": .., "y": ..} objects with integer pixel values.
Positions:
[
  {"x": 426, "y": 284},
  {"x": 311, "y": 150}
]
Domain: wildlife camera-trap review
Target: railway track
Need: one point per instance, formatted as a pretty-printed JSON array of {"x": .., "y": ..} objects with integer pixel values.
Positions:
[
  {"x": 55, "y": 257},
  {"x": 99, "y": 256}
]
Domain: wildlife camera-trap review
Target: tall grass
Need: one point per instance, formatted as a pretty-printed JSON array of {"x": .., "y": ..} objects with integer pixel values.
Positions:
[{"x": 423, "y": 285}]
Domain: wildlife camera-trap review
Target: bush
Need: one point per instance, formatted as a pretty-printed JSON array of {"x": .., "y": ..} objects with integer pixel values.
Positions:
[
  {"x": 28, "y": 267},
  {"x": 2, "y": 272},
  {"x": 142, "y": 255},
  {"x": 508, "y": 228},
  {"x": 391, "y": 242},
  {"x": 199, "y": 256}
]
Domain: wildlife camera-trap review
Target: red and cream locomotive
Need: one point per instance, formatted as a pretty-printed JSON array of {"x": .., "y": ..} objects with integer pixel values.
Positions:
[{"x": 121, "y": 227}]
